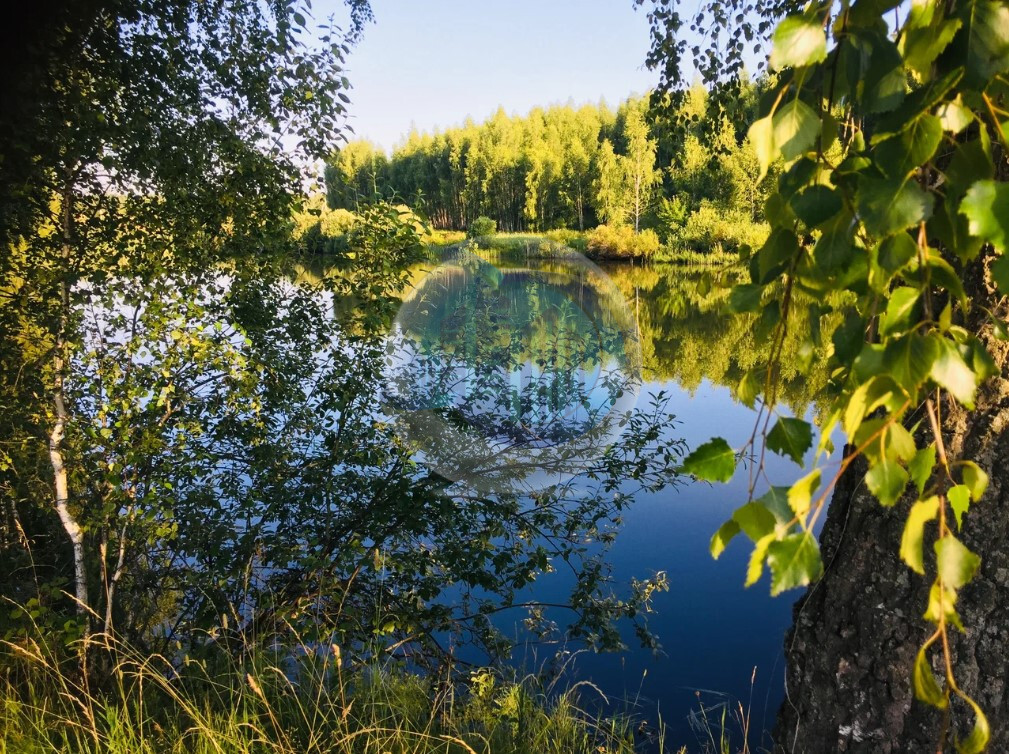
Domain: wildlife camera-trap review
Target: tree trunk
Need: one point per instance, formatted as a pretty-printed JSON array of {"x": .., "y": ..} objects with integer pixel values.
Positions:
[
  {"x": 855, "y": 634},
  {"x": 61, "y": 487}
]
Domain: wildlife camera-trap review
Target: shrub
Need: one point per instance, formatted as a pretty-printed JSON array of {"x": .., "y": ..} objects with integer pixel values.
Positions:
[
  {"x": 336, "y": 222},
  {"x": 672, "y": 216},
  {"x": 482, "y": 226},
  {"x": 712, "y": 228},
  {"x": 576, "y": 239},
  {"x": 436, "y": 237},
  {"x": 621, "y": 242}
]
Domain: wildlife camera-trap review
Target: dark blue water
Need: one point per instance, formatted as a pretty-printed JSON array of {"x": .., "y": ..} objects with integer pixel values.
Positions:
[
  {"x": 722, "y": 644},
  {"x": 716, "y": 635}
]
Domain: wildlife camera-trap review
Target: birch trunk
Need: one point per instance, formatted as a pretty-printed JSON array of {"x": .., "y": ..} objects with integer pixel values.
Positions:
[
  {"x": 57, "y": 435},
  {"x": 855, "y": 634}
]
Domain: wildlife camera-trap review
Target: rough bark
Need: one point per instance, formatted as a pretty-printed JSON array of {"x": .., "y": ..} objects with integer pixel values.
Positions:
[{"x": 855, "y": 633}]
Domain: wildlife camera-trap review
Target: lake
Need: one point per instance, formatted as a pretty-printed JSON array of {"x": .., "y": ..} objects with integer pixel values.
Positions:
[{"x": 721, "y": 644}]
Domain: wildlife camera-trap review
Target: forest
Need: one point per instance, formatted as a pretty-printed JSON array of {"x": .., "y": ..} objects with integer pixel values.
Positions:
[{"x": 686, "y": 177}]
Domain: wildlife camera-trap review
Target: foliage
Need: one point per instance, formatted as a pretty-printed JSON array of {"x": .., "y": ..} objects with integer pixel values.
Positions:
[
  {"x": 573, "y": 239},
  {"x": 561, "y": 168},
  {"x": 145, "y": 147},
  {"x": 321, "y": 230},
  {"x": 713, "y": 229},
  {"x": 622, "y": 242},
  {"x": 196, "y": 442},
  {"x": 892, "y": 193},
  {"x": 481, "y": 227}
]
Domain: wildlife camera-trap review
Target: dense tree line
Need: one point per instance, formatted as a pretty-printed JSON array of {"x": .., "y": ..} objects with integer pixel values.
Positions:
[{"x": 570, "y": 167}]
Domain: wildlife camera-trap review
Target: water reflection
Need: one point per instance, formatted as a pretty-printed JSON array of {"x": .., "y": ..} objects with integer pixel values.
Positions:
[
  {"x": 506, "y": 378},
  {"x": 714, "y": 632}
]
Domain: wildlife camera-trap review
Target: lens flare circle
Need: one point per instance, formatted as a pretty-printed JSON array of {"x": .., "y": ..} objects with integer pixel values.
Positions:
[{"x": 510, "y": 376}]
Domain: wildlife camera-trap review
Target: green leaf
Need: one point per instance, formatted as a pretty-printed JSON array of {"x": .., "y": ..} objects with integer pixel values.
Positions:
[
  {"x": 816, "y": 204},
  {"x": 779, "y": 249},
  {"x": 983, "y": 41},
  {"x": 924, "y": 39},
  {"x": 899, "y": 443},
  {"x": 800, "y": 494},
  {"x": 745, "y": 298},
  {"x": 921, "y": 100},
  {"x": 977, "y": 741},
  {"x": 920, "y": 467},
  {"x": 975, "y": 478},
  {"x": 776, "y": 501},
  {"x": 798, "y": 176},
  {"x": 797, "y": 42},
  {"x": 722, "y": 537},
  {"x": 999, "y": 270},
  {"x": 790, "y": 437},
  {"x": 950, "y": 227},
  {"x": 914, "y": 532},
  {"x": 885, "y": 82},
  {"x": 909, "y": 359},
  {"x": 755, "y": 520},
  {"x": 949, "y": 371},
  {"x": 926, "y": 689},
  {"x": 849, "y": 338},
  {"x": 977, "y": 356},
  {"x": 877, "y": 391},
  {"x": 835, "y": 248},
  {"x": 750, "y": 386},
  {"x": 986, "y": 207},
  {"x": 959, "y": 501},
  {"x": 714, "y": 461},
  {"x": 895, "y": 252},
  {"x": 955, "y": 116},
  {"x": 795, "y": 128},
  {"x": 941, "y": 606},
  {"x": 943, "y": 274},
  {"x": 956, "y": 564},
  {"x": 761, "y": 138},
  {"x": 755, "y": 568},
  {"x": 867, "y": 12},
  {"x": 911, "y": 148},
  {"x": 855, "y": 411},
  {"x": 900, "y": 310},
  {"x": 886, "y": 480},
  {"x": 794, "y": 562},
  {"x": 779, "y": 214},
  {"x": 971, "y": 162},
  {"x": 887, "y": 206}
]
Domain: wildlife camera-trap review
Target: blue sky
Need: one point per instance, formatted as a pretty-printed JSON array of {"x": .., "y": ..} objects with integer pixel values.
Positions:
[{"x": 432, "y": 63}]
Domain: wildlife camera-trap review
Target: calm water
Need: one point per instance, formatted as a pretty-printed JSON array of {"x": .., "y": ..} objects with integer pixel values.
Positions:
[{"x": 716, "y": 635}]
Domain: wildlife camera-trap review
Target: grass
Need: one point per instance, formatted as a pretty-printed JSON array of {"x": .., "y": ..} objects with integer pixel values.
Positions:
[
  {"x": 298, "y": 701},
  {"x": 715, "y": 258},
  {"x": 552, "y": 244}
]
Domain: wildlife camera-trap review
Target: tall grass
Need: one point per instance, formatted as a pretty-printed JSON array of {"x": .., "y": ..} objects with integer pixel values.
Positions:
[{"x": 301, "y": 700}]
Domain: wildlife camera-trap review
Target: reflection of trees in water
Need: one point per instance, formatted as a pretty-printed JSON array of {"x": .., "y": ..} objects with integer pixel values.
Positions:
[
  {"x": 686, "y": 336},
  {"x": 500, "y": 375}
]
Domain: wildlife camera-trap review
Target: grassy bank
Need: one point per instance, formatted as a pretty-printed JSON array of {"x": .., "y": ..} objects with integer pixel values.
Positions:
[
  {"x": 556, "y": 243},
  {"x": 300, "y": 702}
]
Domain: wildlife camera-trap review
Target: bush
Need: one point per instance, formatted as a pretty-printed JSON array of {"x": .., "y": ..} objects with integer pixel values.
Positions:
[
  {"x": 444, "y": 237},
  {"x": 336, "y": 222},
  {"x": 576, "y": 239},
  {"x": 621, "y": 242},
  {"x": 716, "y": 229},
  {"x": 671, "y": 215},
  {"x": 482, "y": 226}
]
